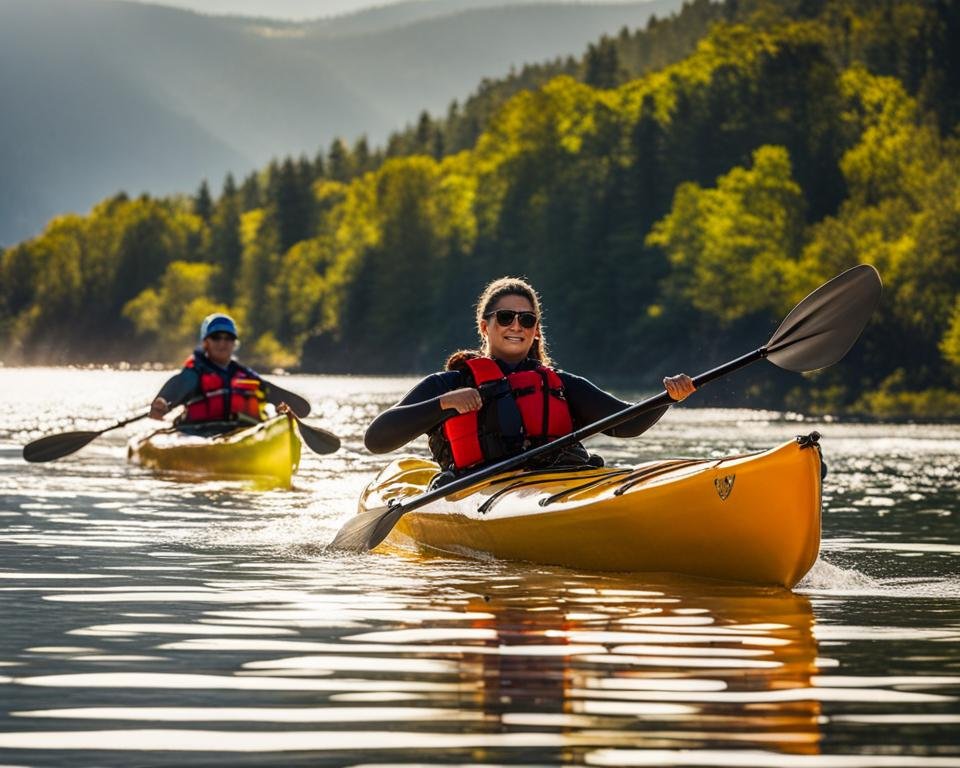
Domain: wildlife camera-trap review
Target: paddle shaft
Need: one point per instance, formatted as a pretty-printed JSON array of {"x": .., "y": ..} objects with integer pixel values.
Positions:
[
  {"x": 584, "y": 432},
  {"x": 128, "y": 421}
]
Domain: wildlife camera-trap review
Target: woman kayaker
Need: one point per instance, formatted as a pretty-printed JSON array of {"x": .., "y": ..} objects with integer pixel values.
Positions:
[
  {"x": 214, "y": 387},
  {"x": 505, "y": 397}
]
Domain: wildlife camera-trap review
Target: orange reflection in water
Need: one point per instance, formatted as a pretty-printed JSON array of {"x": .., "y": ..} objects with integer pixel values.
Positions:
[{"x": 648, "y": 665}]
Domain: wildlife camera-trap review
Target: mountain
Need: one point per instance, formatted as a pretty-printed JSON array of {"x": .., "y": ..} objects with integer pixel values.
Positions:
[
  {"x": 408, "y": 65},
  {"x": 101, "y": 96},
  {"x": 383, "y": 17},
  {"x": 337, "y": 16},
  {"x": 278, "y": 9}
]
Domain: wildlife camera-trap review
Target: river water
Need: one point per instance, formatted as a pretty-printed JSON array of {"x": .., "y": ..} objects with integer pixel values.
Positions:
[{"x": 146, "y": 621}]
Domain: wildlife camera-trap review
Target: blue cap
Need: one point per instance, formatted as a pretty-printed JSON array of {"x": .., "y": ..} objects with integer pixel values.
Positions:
[{"x": 217, "y": 322}]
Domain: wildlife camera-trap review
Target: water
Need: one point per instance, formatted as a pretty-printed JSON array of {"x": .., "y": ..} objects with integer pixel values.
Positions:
[{"x": 150, "y": 622}]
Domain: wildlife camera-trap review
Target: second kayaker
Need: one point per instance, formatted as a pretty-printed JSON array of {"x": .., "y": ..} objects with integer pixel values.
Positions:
[
  {"x": 505, "y": 397},
  {"x": 213, "y": 385}
]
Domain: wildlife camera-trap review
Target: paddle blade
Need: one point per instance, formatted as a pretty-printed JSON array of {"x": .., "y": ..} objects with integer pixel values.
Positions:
[
  {"x": 57, "y": 446},
  {"x": 367, "y": 529},
  {"x": 820, "y": 330},
  {"x": 277, "y": 395},
  {"x": 318, "y": 440}
]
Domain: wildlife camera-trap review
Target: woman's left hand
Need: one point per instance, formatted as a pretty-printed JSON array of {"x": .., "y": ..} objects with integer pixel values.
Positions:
[
  {"x": 679, "y": 387},
  {"x": 159, "y": 408}
]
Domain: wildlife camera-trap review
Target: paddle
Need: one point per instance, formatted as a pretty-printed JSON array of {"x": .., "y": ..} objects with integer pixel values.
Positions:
[
  {"x": 57, "y": 446},
  {"x": 277, "y": 395},
  {"x": 318, "y": 440},
  {"x": 816, "y": 333}
]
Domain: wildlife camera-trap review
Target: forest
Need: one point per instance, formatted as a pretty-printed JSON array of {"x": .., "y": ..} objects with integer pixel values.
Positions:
[{"x": 671, "y": 194}]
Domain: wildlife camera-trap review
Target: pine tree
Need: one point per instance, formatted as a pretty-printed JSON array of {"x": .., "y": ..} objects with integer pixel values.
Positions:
[
  {"x": 226, "y": 247},
  {"x": 202, "y": 202}
]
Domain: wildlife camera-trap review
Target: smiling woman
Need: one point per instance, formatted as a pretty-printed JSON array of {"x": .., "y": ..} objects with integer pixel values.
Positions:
[{"x": 505, "y": 397}]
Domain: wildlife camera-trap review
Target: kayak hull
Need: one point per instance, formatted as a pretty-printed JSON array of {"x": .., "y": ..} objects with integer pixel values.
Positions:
[
  {"x": 753, "y": 518},
  {"x": 268, "y": 452}
]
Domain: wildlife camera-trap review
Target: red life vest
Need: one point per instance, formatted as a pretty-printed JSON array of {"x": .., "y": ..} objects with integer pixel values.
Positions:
[
  {"x": 221, "y": 398},
  {"x": 520, "y": 410}
]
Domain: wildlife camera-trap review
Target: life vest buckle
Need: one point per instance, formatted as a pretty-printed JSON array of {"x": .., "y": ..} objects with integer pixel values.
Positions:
[{"x": 491, "y": 390}]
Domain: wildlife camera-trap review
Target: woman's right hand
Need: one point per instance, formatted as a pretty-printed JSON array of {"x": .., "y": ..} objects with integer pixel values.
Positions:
[
  {"x": 679, "y": 387},
  {"x": 462, "y": 400},
  {"x": 159, "y": 408}
]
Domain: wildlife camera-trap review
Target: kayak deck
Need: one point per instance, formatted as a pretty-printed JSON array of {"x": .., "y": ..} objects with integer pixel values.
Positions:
[
  {"x": 752, "y": 518},
  {"x": 268, "y": 452}
]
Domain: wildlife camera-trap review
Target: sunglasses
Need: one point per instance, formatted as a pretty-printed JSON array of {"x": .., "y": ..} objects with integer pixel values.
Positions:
[
  {"x": 505, "y": 317},
  {"x": 222, "y": 337}
]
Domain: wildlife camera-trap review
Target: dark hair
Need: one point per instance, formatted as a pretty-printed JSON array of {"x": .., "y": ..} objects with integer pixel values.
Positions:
[{"x": 496, "y": 290}]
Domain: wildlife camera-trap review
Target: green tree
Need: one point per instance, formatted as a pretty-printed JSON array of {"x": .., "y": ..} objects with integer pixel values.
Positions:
[
  {"x": 151, "y": 235},
  {"x": 950, "y": 344},
  {"x": 202, "y": 202},
  {"x": 169, "y": 315},
  {"x": 290, "y": 205},
  {"x": 361, "y": 155},
  {"x": 259, "y": 267},
  {"x": 340, "y": 165},
  {"x": 734, "y": 248},
  {"x": 397, "y": 277},
  {"x": 251, "y": 196},
  {"x": 602, "y": 64},
  {"x": 226, "y": 247}
]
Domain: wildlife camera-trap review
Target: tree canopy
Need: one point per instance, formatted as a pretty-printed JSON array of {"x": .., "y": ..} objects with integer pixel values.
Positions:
[{"x": 673, "y": 192}]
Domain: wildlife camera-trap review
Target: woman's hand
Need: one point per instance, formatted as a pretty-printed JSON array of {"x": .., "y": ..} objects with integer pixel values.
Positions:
[
  {"x": 159, "y": 408},
  {"x": 462, "y": 400},
  {"x": 679, "y": 387}
]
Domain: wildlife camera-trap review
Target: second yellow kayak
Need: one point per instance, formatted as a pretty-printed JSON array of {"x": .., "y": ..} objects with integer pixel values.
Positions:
[
  {"x": 268, "y": 452},
  {"x": 752, "y": 518}
]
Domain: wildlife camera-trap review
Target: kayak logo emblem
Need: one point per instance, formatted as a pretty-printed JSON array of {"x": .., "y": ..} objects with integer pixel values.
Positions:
[{"x": 724, "y": 486}]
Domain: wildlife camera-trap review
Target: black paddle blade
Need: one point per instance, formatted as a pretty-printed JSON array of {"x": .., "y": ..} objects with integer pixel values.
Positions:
[
  {"x": 57, "y": 446},
  {"x": 277, "y": 395},
  {"x": 318, "y": 440},
  {"x": 366, "y": 530},
  {"x": 821, "y": 329}
]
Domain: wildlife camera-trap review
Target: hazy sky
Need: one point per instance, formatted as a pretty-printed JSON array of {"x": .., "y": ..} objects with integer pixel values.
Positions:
[{"x": 276, "y": 9}]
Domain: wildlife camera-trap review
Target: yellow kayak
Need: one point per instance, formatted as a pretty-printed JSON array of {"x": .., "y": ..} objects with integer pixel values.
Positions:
[
  {"x": 268, "y": 452},
  {"x": 752, "y": 518}
]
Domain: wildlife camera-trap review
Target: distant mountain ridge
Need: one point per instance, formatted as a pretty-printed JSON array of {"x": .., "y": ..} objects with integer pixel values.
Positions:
[
  {"x": 101, "y": 96},
  {"x": 383, "y": 17}
]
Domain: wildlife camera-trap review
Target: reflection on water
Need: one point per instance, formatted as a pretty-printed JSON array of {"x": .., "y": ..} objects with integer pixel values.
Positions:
[
  {"x": 151, "y": 622},
  {"x": 679, "y": 666},
  {"x": 558, "y": 662}
]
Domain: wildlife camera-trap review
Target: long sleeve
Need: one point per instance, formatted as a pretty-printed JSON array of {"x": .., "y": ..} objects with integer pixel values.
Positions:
[
  {"x": 417, "y": 412},
  {"x": 179, "y": 387},
  {"x": 589, "y": 403}
]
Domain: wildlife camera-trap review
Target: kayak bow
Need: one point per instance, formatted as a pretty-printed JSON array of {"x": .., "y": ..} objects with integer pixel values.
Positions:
[{"x": 269, "y": 450}]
